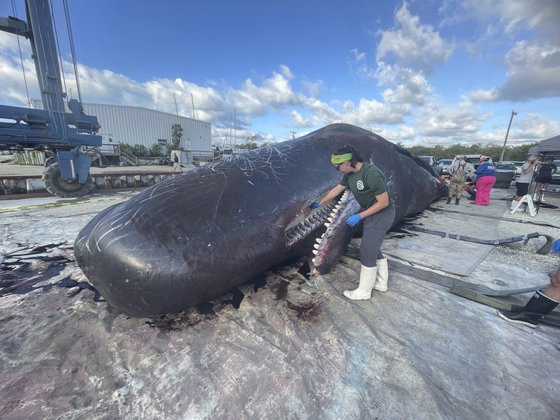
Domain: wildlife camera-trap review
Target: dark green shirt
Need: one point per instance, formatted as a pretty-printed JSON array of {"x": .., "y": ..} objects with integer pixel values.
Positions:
[{"x": 366, "y": 184}]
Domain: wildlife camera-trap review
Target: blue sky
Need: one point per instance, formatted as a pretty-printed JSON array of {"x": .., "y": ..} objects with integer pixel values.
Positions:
[{"x": 416, "y": 72}]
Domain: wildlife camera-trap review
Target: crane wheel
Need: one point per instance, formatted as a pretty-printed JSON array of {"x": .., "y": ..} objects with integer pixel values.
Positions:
[{"x": 61, "y": 188}]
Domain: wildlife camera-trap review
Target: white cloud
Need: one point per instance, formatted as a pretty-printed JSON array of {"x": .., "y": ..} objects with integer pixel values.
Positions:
[
  {"x": 358, "y": 55},
  {"x": 369, "y": 112},
  {"x": 455, "y": 121},
  {"x": 412, "y": 44},
  {"x": 533, "y": 72},
  {"x": 313, "y": 89},
  {"x": 299, "y": 120},
  {"x": 409, "y": 87},
  {"x": 275, "y": 92},
  {"x": 511, "y": 15},
  {"x": 403, "y": 134},
  {"x": 482, "y": 95},
  {"x": 286, "y": 72},
  {"x": 532, "y": 127}
]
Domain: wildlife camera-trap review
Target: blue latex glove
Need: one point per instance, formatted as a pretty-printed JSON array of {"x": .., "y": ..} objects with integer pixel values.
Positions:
[
  {"x": 314, "y": 205},
  {"x": 354, "y": 219},
  {"x": 556, "y": 246}
]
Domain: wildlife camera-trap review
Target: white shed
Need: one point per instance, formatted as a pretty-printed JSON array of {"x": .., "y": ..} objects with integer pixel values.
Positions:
[{"x": 135, "y": 125}]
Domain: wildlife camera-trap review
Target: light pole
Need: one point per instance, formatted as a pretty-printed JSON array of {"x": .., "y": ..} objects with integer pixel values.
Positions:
[{"x": 507, "y": 133}]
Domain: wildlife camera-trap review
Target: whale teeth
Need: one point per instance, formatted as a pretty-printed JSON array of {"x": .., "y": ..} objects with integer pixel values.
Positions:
[
  {"x": 301, "y": 230},
  {"x": 327, "y": 224},
  {"x": 318, "y": 240},
  {"x": 330, "y": 219},
  {"x": 315, "y": 252},
  {"x": 337, "y": 207},
  {"x": 316, "y": 246}
]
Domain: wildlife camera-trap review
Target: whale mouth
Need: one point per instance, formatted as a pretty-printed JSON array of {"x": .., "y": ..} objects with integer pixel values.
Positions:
[
  {"x": 300, "y": 229},
  {"x": 331, "y": 244}
]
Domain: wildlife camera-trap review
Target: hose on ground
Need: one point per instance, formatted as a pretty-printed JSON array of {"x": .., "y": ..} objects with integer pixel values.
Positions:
[{"x": 545, "y": 249}]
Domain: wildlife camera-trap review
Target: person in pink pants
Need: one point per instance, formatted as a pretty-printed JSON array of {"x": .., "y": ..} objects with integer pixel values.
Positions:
[{"x": 485, "y": 180}]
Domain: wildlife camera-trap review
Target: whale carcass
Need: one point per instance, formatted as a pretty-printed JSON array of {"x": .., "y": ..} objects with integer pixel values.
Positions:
[{"x": 195, "y": 236}]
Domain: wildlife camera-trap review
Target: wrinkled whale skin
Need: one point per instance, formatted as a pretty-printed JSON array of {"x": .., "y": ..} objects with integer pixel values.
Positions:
[{"x": 195, "y": 236}]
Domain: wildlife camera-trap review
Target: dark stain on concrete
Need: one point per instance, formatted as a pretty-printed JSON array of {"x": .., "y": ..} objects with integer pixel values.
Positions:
[{"x": 306, "y": 311}]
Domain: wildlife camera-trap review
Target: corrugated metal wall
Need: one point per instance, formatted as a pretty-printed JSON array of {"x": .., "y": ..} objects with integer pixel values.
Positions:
[{"x": 134, "y": 125}]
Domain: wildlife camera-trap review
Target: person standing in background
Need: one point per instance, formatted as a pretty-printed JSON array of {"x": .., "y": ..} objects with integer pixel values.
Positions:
[
  {"x": 544, "y": 177},
  {"x": 176, "y": 163},
  {"x": 459, "y": 170},
  {"x": 522, "y": 184},
  {"x": 485, "y": 180}
]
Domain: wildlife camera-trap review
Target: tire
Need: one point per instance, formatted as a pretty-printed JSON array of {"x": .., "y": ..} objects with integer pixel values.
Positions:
[{"x": 61, "y": 188}]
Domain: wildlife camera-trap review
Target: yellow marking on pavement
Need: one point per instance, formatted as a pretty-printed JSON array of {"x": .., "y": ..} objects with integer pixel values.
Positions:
[{"x": 47, "y": 205}]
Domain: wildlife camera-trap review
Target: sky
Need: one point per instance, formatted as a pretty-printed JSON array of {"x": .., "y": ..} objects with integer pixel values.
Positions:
[{"x": 418, "y": 72}]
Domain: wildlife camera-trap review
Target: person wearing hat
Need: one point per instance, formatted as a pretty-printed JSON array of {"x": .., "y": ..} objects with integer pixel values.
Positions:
[
  {"x": 368, "y": 186},
  {"x": 459, "y": 170},
  {"x": 485, "y": 180},
  {"x": 522, "y": 184}
]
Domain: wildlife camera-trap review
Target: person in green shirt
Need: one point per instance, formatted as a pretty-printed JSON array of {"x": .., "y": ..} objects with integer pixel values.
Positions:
[{"x": 367, "y": 184}]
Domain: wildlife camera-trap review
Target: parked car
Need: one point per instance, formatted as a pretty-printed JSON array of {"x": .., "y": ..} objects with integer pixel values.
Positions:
[
  {"x": 505, "y": 174},
  {"x": 443, "y": 165},
  {"x": 431, "y": 161},
  {"x": 516, "y": 165}
]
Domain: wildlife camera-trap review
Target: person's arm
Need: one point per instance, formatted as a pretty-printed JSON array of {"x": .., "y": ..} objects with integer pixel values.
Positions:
[
  {"x": 335, "y": 191},
  {"x": 454, "y": 167},
  {"x": 530, "y": 167},
  {"x": 477, "y": 171},
  {"x": 382, "y": 201}
]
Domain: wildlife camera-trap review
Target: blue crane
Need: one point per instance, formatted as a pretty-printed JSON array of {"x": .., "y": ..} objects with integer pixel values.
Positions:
[{"x": 67, "y": 134}]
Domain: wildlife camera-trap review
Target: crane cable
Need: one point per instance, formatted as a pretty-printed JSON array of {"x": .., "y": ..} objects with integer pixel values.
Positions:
[
  {"x": 59, "y": 51},
  {"x": 21, "y": 58},
  {"x": 72, "y": 49}
]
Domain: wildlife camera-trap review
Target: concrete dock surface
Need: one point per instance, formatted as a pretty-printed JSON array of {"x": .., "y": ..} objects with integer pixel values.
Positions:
[{"x": 282, "y": 345}]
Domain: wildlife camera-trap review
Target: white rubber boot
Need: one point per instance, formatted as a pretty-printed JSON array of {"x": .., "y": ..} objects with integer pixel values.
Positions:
[
  {"x": 513, "y": 204},
  {"x": 367, "y": 280},
  {"x": 382, "y": 275}
]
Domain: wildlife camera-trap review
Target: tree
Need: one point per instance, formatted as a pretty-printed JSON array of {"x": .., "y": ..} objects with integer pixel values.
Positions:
[
  {"x": 439, "y": 152},
  {"x": 176, "y": 135},
  {"x": 249, "y": 145},
  {"x": 155, "y": 150},
  {"x": 140, "y": 150}
]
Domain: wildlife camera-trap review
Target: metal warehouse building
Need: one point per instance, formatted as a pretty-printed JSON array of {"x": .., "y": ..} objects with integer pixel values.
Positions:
[{"x": 134, "y": 125}]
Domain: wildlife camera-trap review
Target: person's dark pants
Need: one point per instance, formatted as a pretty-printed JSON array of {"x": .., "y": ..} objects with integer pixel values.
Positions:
[
  {"x": 522, "y": 188},
  {"x": 375, "y": 228}
]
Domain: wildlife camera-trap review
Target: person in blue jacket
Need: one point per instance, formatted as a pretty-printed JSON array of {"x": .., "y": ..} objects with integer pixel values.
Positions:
[{"x": 485, "y": 180}]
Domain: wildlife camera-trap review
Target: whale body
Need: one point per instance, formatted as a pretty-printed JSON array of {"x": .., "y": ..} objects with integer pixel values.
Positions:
[{"x": 193, "y": 237}]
